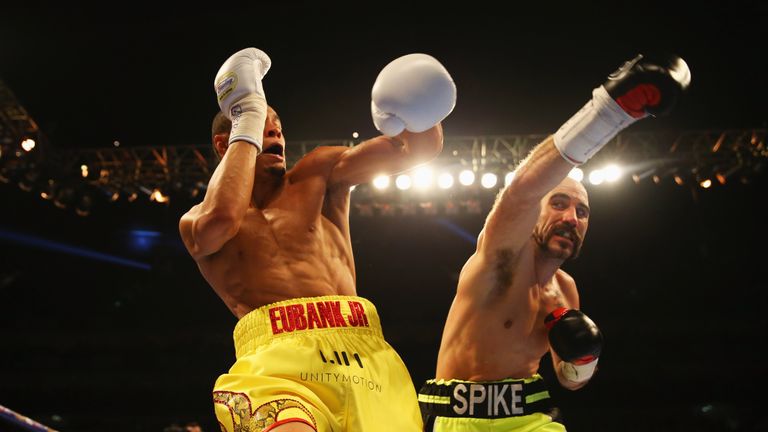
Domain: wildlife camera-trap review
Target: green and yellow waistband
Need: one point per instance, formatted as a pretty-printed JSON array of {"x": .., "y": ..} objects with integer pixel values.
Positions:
[{"x": 486, "y": 399}]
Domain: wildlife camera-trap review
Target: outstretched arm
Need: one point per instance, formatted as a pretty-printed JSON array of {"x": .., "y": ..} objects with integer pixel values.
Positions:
[
  {"x": 638, "y": 89},
  {"x": 514, "y": 214},
  {"x": 410, "y": 97},
  {"x": 385, "y": 155}
]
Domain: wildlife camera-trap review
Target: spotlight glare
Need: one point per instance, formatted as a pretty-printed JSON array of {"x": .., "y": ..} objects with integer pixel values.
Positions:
[
  {"x": 403, "y": 182},
  {"x": 576, "y": 174},
  {"x": 706, "y": 183},
  {"x": 508, "y": 178},
  {"x": 422, "y": 178},
  {"x": 488, "y": 180},
  {"x": 612, "y": 173},
  {"x": 466, "y": 177},
  {"x": 28, "y": 144},
  {"x": 381, "y": 182},
  {"x": 158, "y": 196},
  {"x": 445, "y": 181},
  {"x": 597, "y": 177}
]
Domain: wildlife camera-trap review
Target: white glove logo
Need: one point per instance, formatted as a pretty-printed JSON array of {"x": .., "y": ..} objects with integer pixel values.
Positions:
[{"x": 226, "y": 86}]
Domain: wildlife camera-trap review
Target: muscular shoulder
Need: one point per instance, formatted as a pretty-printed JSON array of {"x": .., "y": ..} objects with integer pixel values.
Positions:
[
  {"x": 568, "y": 287},
  {"x": 324, "y": 156},
  {"x": 565, "y": 278}
]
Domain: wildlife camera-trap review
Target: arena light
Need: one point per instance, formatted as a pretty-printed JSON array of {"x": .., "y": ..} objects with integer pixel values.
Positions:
[
  {"x": 157, "y": 196},
  {"x": 706, "y": 183},
  {"x": 597, "y": 177},
  {"x": 422, "y": 178},
  {"x": 381, "y": 182},
  {"x": 445, "y": 180},
  {"x": 638, "y": 177},
  {"x": 143, "y": 240},
  {"x": 612, "y": 173},
  {"x": 28, "y": 144},
  {"x": 681, "y": 72},
  {"x": 488, "y": 180},
  {"x": 722, "y": 176},
  {"x": 114, "y": 195},
  {"x": 403, "y": 182},
  {"x": 466, "y": 177},
  {"x": 84, "y": 170},
  {"x": 576, "y": 174},
  {"x": 508, "y": 178}
]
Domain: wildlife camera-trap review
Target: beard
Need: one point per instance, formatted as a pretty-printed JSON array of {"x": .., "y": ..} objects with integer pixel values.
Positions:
[
  {"x": 542, "y": 239},
  {"x": 276, "y": 171}
]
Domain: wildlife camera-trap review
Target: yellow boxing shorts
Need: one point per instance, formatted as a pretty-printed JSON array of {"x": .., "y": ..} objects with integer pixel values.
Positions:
[
  {"x": 321, "y": 361},
  {"x": 510, "y": 405}
]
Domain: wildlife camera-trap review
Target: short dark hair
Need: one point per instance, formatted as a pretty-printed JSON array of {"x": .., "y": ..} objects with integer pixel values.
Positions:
[{"x": 221, "y": 124}]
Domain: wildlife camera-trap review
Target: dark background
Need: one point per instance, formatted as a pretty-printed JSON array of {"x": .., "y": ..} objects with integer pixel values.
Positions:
[{"x": 673, "y": 275}]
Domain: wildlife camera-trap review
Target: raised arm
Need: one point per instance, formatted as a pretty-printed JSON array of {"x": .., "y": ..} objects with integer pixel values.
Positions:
[
  {"x": 210, "y": 224},
  {"x": 638, "y": 89},
  {"x": 514, "y": 214},
  {"x": 410, "y": 97}
]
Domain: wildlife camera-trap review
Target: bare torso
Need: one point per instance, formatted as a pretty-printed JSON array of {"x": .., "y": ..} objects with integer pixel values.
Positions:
[
  {"x": 297, "y": 245},
  {"x": 495, "y": 328}
]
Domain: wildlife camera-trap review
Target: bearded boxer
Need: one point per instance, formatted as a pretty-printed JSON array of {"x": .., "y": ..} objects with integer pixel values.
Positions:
[
  {"x": 513, "y": 302},
  {"x": 275, "y": 246}
]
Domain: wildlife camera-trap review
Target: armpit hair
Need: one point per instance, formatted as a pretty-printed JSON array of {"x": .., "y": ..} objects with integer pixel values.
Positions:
[{"x": 505, "y": 260}]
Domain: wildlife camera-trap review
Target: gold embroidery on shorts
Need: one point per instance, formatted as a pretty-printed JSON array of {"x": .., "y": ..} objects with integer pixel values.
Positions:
[{"x": 245, "y": 420}]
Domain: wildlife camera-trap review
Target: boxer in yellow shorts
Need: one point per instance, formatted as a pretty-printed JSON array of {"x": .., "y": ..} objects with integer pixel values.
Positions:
[
  {"x": 275, "y": 246},
  {"x": 321, "y": 361}
]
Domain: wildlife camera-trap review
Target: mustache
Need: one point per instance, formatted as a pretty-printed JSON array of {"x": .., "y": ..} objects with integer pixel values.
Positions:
[{"x": 567, "y": 229}]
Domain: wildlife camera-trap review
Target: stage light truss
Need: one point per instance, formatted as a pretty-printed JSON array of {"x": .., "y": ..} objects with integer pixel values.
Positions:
[{"x": 161, "y": 172}]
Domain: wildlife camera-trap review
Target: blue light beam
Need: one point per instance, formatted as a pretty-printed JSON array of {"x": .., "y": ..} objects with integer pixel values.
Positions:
[{"x": 41, "y": 243}]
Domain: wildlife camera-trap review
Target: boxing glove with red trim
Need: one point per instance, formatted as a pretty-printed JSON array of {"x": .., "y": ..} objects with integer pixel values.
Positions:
[
  {"x": 640, "y": 87},
  {"x": 576, "y": 340}
]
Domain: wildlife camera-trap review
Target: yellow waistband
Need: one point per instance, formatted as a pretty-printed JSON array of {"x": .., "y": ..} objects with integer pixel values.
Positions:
[
  {"x": 444, "y": 382},
  {"x": 305, "y": 315}
]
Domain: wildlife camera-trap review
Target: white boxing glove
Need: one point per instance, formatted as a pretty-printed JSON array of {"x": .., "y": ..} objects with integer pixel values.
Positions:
[
  {"x": 413, "y": 92},
  {"x": 241, "y": 95}
]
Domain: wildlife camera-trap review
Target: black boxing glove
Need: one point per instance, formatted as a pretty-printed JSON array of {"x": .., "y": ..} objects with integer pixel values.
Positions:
[
  {"x": 639, "y": 88},
  {"x": 576, "y": 340},
  {"x": 648, "y": 86}
]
